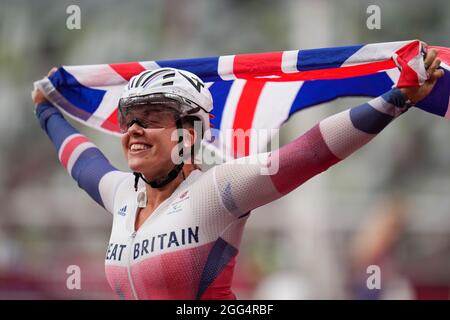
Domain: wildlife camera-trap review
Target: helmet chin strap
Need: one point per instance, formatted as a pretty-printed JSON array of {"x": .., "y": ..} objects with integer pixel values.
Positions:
[{"x": 161, "y": 182}]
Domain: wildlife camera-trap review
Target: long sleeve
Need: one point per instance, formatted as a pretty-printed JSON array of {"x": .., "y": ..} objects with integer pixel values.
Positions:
[
  {"x": 81, "y": 158},
  {"x": 243, "y": 185}
]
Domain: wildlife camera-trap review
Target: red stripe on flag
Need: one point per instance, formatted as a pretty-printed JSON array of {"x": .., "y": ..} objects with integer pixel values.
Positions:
[
  {"x": 408, "y": 76},
  {"x": 112, "y": 123},
  {"x": 258, "y": 64},
  {"x": 127, "y": 70},
  {"x": 245, "y": 111},
  {"x": 327, "y": 74},
  {"x": 409, "y": 51},
  {"x": 69, "y": 147}
]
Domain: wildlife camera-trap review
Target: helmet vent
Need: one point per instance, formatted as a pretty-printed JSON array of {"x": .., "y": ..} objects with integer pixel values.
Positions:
[
  {"x": 170, "y": 75},
  {"x": 141, "y": 77},
  {"x": 149, "y": 75}
]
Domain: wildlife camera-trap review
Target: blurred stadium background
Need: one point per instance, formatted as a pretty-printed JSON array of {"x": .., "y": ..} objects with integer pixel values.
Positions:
[{"x": 387, "y": 205}]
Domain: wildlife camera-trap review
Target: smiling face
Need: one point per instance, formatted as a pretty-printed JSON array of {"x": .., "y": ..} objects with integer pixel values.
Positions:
[{"x": 148, "y": 150}]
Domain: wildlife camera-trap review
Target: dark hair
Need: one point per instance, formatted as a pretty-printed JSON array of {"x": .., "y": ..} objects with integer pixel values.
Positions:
[{"x": 189, "y": 122}]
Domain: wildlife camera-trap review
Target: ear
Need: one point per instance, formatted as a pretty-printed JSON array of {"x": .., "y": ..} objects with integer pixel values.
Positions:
[{"x": 190, "y": 136}]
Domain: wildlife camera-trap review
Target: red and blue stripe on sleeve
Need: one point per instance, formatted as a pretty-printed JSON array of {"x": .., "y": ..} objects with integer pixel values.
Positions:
[{"x": 81, "y": 158}]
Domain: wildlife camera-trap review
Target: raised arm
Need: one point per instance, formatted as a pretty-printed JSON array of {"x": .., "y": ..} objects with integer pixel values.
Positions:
[
  {"x": 243, "y": 187},
  {"x": 81, "y": 158}
]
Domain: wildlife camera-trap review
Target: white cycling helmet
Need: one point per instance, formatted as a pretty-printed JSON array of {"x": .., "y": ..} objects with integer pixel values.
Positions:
[
  {"x": 163, "y": 87},
  {"x": 180, "y": 85}
]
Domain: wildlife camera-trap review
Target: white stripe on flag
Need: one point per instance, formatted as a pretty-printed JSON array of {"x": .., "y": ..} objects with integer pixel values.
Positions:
[
  {"x": 374, "y": 52},
  {"x": 228, "y": 114},
  {"x": 272, "y": 110},
  {"x": 149, "y": 65},
  {"x": 96, "y": 76},
  {"x": 418, "y": 65},
  {"x": 107, "y": 106},
  {"x": 394, "y": 74},
  {"x": 225, "y": 67},
  {"x": 289, "y": 61}
]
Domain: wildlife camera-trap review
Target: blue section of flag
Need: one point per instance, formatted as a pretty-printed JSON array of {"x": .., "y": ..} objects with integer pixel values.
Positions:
[
  {"x": 85, "y": 98},
  {"x": 324, "y": 58},
  {"x": 437, "y": 101},
  {"x": 205, "y": 68},
  {"x": 219, "y": 91},
  {"x": 320, "y": 91}
]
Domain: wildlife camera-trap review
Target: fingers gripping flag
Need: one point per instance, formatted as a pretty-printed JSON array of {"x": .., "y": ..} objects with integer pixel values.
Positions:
[{"x": 258, "y": 90}]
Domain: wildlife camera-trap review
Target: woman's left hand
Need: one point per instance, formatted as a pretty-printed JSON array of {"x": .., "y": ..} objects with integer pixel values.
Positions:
[{"x": 416, "y": 94}]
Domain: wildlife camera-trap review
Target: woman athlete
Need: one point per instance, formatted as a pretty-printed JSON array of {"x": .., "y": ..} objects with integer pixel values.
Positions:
[{"x": 176, "y": 230}]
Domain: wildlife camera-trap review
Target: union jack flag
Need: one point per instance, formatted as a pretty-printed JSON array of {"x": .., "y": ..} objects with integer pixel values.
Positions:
[{"x": 259, "y": 90}]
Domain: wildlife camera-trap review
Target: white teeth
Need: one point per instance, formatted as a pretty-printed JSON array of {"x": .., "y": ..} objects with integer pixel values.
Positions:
[{"x": 138, "y": 146}]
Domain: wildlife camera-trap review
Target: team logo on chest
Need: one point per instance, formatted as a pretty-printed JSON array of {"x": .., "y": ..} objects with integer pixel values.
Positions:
[{"x": 177, "y": 205}]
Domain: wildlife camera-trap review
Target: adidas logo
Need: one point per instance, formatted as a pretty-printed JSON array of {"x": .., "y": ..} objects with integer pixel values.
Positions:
[{"x": 122, "y": 211}]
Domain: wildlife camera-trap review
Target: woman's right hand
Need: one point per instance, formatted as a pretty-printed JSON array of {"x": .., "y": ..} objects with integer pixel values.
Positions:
[{"x": 37, "y": 96}]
